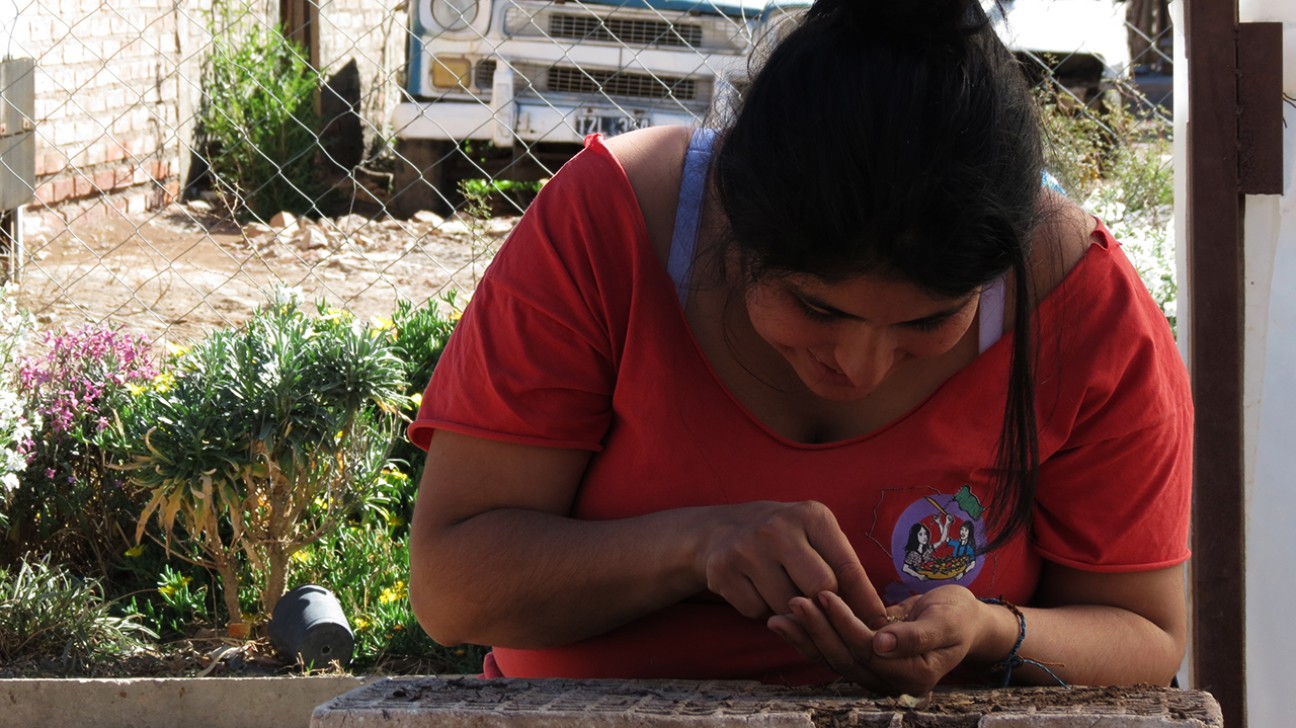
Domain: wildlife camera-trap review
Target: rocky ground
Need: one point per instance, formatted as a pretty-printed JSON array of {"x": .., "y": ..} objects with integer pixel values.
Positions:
[{"x": 178, "y": 272}]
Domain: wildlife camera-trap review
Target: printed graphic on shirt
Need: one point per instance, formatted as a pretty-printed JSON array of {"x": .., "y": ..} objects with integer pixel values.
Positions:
[{"x": 935, "y": 541}]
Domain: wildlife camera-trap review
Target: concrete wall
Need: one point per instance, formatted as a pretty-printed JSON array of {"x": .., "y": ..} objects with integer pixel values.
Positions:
[
  {"x": 217, "y": 702},
  {"x": 1270, "y": 428},
  {"x": 119, "y": 84}
]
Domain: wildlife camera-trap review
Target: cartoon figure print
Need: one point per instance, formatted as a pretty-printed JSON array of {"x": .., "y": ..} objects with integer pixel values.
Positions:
[{"x": 935, "y": 540}]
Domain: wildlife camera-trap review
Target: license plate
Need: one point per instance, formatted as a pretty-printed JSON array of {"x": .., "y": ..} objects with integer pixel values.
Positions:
[{"x": 609, "y": 124}]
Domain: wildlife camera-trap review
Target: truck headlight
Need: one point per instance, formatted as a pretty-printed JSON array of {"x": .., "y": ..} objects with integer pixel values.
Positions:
[{"x": 449, "y": 14}]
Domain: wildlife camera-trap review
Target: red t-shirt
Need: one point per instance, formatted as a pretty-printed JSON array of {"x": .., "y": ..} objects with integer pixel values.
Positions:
[{"x": 576, "y": 339}]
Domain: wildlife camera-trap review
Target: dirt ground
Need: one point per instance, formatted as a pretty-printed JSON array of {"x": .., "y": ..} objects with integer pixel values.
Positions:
[{"x": 176, "y": 273}]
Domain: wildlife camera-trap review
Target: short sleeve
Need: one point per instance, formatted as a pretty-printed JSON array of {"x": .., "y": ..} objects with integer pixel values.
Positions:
[
  {"x": 1115, "y": 475},
  {"x": 534, "y": 358}
]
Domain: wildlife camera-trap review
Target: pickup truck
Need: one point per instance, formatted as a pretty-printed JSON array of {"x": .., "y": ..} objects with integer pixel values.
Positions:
[{"x": 507, "y": 89}]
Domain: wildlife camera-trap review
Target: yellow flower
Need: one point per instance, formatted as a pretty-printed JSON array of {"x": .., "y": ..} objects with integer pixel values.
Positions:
[
  {"x": 397, "y": 592},
  {"x": 361, "y": 624},
  {"x": 382, "y": 323},
  {"x": 134, "y": 389},
  {"x": 172, "y": 589},
  {"x": 394, "y": 521},
  {"x": 417, "y": 399},
  {"x": 135, "y": 551},
  {"x": 175, "y": 350},
  {"x": 164, "y": 381},
  {"x": 454, "y": 316},
  {"x": 300, "y": 557}
]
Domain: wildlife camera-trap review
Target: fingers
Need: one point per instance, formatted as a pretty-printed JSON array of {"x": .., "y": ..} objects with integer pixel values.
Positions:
[
  {"x": 907, "y": 656},
  {"x": 772, "y": 552},
  {"x": 845, "y": 650},
  {"x": 852, "y": 582}
]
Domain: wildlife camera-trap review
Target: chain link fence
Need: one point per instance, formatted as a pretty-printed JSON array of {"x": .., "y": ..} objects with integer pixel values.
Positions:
[{"x": 179, "y": 158}]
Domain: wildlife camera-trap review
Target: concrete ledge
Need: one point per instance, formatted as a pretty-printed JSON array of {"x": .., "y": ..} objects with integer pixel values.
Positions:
[
  {"x": 432, "y": 702},
  {"x": 217, "y": 702}
]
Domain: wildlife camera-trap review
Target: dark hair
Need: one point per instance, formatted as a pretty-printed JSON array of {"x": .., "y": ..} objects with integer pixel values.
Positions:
[
  {"x": 914, "y": 544},
  {"x": 971, "y": 529},
  {"x": 896, "y": 138}
]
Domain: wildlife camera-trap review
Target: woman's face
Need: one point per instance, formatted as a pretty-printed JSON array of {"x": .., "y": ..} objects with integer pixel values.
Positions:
[
  {"x": 964, "y": 532},
  {"x": 844, "y": 339},
  {"x": 923, "y": 536}
]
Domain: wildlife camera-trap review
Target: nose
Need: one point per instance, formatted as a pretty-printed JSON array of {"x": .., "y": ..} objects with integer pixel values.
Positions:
[{"x": 867, "y": 357}]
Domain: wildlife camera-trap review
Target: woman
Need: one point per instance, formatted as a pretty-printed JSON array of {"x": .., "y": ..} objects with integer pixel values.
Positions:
[
  {"x": 713, "y": 379},
  {"x": 918, "y": 551}
]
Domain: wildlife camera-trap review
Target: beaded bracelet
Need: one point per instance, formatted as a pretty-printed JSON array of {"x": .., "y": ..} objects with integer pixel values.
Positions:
[{"x": 1014, "y": 660}]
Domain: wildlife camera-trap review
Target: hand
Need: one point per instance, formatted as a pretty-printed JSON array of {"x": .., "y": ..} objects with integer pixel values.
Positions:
[
  {"x": 764, "y": 554},
  {"x": 933, "y": 633}
]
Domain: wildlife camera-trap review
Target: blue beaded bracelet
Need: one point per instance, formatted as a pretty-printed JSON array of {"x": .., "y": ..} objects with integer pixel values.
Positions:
[{"x": 1014, "y": 660}]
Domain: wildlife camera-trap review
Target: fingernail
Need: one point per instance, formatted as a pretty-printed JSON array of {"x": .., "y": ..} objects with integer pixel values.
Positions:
[
  {"x": 823, "y": 599},
  {"x": 884, "y": 642}
]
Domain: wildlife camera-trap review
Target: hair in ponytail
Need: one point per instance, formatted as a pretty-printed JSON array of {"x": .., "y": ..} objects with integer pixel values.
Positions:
[{"x": 896, "y": 138}]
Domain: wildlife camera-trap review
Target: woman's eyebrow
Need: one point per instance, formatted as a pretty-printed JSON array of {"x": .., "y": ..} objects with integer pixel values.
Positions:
[{"x": 944, "y": 313}]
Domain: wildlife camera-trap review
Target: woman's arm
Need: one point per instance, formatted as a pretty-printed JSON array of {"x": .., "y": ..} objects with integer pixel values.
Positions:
[
  {"x": 1090, "y": 629},
  {"x": 494, "y": 559},
  {"x": 1105, "y": 628}
]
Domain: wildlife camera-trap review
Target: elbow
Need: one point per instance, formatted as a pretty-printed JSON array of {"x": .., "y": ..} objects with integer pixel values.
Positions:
[
  {"x": 435, "y": 611},
  {"x": 437, "y": 606}
]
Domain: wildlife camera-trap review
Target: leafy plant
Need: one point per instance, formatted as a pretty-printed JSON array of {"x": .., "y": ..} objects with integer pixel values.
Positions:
[
  {"x": 68, "y": 502},
  {"x": 15, "y": 424},
  {"x": 178, "y": 601},
  {"x": 259, "y": 119},
  {"x": 46, "y": 612},
  {"x": 419, "y": 335},
  {"x": 269, "y": 437},
  {"x": 1119, "y": 167},
  {"x": 366, "y": 567}
]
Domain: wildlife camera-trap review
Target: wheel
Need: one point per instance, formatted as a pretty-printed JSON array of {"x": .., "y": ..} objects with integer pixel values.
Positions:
[{"x": 423, "y": 178}]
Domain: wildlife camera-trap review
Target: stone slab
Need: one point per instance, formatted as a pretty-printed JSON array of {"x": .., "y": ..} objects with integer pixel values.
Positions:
[
  {"x": 217, "y": 702},
  {"x": 437, "y": 702}
]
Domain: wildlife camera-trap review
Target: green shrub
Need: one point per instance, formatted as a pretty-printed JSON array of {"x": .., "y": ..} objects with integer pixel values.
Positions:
[
  {"x": 366, "y": 567},
  {"x": 1118, "y": 165},
  {"x": 419, "y": 335},
  {"x": 47, "y": 613},
  {"x": 259, "y": 121},
  {"x": 265, "y": 439}
]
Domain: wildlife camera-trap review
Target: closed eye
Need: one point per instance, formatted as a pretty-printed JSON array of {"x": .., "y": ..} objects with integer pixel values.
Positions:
[
  {"x": 931, "y": 323},
  {"x": 815, "y": 313}
]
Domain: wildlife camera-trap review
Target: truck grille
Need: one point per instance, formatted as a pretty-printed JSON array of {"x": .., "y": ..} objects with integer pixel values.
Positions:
[
  {"x": 620, "y": 83},
  {"x": 628, "y": 31},
  {"x": 483, "y": 75}
]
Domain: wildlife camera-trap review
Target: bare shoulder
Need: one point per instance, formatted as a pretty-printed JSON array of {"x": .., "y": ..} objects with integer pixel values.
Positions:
[
  {"x": 1059, "y": 242},
  {"x": 653, "y": 159}
]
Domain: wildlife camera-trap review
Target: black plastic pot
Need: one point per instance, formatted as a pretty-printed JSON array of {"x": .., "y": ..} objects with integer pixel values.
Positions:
[{"x": 308, "y": 624}]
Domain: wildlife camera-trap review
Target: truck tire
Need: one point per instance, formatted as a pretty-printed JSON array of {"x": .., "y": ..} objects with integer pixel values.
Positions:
[{"x": 423, "y": 178}]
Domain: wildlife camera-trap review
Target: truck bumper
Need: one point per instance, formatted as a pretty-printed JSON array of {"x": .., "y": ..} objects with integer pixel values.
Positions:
[{"x": 525, "y": 120}]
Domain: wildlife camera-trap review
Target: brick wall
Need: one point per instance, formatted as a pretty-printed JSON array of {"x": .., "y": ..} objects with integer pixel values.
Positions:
[{"x": 118, "y": 86}]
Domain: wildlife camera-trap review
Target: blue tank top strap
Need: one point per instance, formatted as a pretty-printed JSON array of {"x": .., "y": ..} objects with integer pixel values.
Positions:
[
  {"x": 688, "y": 213},
  {"x": 990, "y": 317},
  {"x": 990, "y": 314}
]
